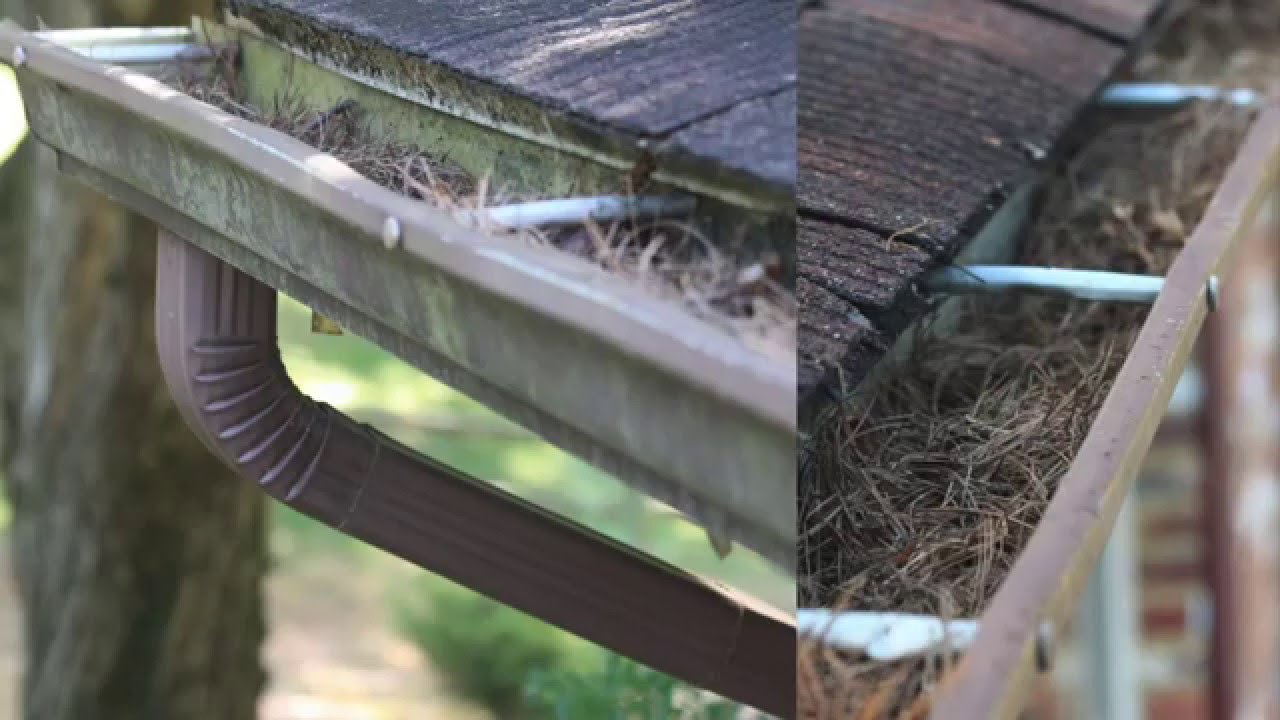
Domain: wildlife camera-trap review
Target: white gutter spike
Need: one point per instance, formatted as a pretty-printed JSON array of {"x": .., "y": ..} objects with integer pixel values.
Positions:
[
  {"x": 143, "y": 54},
  {"x": 605, "y": 208},
  {"x": 82, "y": 37},
  {"x": 131, "y": 46},
  {"x": 1156, "y": 95},
  {"x": 1083, "y": 284},
  {"x": 885, "y": 636}
]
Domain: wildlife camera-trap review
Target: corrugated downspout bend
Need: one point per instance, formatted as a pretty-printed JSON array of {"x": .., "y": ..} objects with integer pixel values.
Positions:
[{"x": 216, "y": 335}]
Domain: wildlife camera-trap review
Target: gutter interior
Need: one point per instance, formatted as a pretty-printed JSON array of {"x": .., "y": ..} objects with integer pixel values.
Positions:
[{"x": 920, "y": 493}]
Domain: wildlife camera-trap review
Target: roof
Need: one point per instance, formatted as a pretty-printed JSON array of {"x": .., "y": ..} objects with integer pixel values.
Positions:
[
  {"x": 918, "y": 119},
  {"x": 707, "y": 85}
]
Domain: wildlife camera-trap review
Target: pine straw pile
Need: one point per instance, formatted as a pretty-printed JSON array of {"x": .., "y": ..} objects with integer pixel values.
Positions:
[
  {"x": 1232, "y": 42},
  {"x": 741, "y": 292},
  {"x": 922, "y": 493}
]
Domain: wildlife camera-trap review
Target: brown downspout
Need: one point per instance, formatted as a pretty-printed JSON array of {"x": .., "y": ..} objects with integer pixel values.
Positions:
[{"x": 216, "y": 336}]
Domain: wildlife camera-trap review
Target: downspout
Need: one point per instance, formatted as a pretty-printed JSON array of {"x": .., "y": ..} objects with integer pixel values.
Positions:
[{"x": 216, "y": 337}]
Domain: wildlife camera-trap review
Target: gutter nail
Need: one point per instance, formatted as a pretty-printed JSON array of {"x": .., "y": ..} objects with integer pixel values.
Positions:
[
  {"x": 391, "y": 233},
  {"x": 1044, "y": 647}
]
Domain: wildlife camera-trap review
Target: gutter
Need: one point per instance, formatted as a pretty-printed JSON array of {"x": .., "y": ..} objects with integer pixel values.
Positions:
[
  {"x": 1045, "y": 585},
  {"x": 633, "y": 384},
  {"x": 583, "y": 360}
]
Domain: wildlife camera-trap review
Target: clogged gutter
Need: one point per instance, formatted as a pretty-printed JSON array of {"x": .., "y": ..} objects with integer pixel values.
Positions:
[
  {"x": 923, "y": 492},
  {"x": 743, "y": 292}
]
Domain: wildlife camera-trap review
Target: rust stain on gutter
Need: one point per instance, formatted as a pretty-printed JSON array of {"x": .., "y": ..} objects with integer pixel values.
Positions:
[{"x": 994, "y": 678}]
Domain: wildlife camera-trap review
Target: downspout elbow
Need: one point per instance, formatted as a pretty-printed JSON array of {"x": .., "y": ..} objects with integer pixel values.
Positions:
[{"x": 216, "y": 337}]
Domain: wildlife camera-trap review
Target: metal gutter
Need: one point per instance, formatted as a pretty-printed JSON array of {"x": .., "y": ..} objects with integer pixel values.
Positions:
[
  {"x": 216, "y": 337},
  {"x": 995, "y": 677},
  {"x": 268, "y": 70},
  {"x": 632, "y": 384}
]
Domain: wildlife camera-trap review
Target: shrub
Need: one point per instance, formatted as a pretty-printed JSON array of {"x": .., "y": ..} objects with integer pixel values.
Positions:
[
  {"x": 623, "y": 690},
  {"x": 485, "y": 651},
  {"x": 520, "y": 668}
]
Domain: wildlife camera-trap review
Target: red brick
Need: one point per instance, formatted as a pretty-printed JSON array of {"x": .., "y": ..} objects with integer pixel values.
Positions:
[
  {"x": 1182, "y": 704},
  {"x": 1164, "y": 620},
  {"x": 1188, "y": 571},
  {"x": 1045, "y": 702},
  {"x": 1172, "y": 524}
]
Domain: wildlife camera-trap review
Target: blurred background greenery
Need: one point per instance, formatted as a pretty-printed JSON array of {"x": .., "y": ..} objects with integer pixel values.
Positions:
[{"x": 371, "y": 385}]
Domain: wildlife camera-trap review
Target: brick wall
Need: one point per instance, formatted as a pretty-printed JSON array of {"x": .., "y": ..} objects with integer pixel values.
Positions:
[
  {"x": 1174, "y": 610},
  {"x": 1173, "y": 594}
]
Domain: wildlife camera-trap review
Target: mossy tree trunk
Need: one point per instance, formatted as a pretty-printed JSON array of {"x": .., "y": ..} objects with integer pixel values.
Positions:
[{"x": 137, "y": 556}]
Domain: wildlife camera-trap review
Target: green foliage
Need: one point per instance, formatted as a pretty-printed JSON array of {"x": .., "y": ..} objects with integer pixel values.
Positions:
[
  {"x": 520, "y": 668},
  {"x": 6, "y": 512},
  {"x": 353, "y": 374},
  {"x": 486, "y": 651},
  {"x": 623, "y": 690}
]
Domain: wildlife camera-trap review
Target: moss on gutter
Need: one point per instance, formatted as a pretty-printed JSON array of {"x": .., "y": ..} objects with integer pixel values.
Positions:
[
  {"x": 523, "y": 166},
  {"x": 430, "y": 85}
]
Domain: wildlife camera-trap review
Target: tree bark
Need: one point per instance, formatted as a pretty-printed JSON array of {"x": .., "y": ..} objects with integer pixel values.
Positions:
[{"x": 137, "y": 556}]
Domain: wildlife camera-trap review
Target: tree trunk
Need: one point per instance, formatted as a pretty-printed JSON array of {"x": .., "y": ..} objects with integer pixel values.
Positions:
[{"x": 138, "y": 557}]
